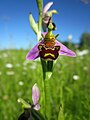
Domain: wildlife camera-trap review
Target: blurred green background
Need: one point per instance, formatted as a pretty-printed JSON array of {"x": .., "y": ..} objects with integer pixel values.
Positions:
[{"x": 71, "y": 76}]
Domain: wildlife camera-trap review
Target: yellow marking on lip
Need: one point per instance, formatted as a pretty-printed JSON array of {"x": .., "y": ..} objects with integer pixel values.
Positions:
[{"x": 47, "y": 54}]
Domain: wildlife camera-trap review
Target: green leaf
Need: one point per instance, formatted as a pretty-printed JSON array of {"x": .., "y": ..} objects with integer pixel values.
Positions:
[
  {"x": 33, "y": 24},
  {"x": 24, "y": 103},
  {"x": 61, "y": 114},
  {"x": 39, "y": 3},
  {"x": 39, "y": 36}
]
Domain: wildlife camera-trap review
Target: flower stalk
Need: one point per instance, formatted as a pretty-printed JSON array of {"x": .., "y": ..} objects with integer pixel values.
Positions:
[
  {"x": 47, "y": 72},
  {"x": 39, "y": 3},
  {"x": 48, "y": 49}
]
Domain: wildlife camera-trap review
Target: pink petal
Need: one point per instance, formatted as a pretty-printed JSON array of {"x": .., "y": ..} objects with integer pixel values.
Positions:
[
  {"x": 64, "y": 50},
  {"x": 44, "y": 33},
  {"x": 33, "y": 53},
  {"x": 47, "y": 6},
  {"x": 37, "y": 107},
  {"x": 35, "y": 94}
]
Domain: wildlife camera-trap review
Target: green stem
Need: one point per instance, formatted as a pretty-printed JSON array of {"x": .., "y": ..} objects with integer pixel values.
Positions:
[
  {"x": 39, "y": 3},
  {"x": 43, "y": 63},
  {"x": 61, "y": 111},
  {"x": 47, "y": 72},
  {"x": 47, "y": 97}
]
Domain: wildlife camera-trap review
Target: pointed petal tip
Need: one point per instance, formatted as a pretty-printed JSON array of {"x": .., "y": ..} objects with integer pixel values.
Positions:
[
  {"x": 69, "y": 53},
  {"x": 28, "y": 57},
  {"x": 47, "y": 6},
  {"x": 64, "y": 50},
  {"x": 35, "y": 85},
  {"x": 74, "y": 54}
]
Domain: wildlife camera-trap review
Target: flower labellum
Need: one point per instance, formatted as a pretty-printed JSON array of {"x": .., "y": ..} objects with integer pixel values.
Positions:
[{"x": 48, "y": 53}]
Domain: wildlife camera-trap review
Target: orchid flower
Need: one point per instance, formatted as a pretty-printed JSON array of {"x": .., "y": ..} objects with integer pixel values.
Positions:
[
  {"x": 29, "y": 110},
  {"x": 49, "y": 48},
  {"x": 47, "y": 15},
  {"x": 45, "y": 50},
  {"x": 35, "y": 97}
]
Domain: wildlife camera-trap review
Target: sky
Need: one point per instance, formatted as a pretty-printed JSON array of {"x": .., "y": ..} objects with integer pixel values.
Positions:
[{"x": 72, "y": 20}]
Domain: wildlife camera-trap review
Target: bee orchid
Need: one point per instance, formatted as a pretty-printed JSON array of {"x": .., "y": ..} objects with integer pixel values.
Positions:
[
  {"x": 30, "y": 111},
  {"x": 49, "y": 49}
]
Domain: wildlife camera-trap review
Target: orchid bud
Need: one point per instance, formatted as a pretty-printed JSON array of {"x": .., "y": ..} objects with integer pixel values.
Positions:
[{"x": 35, "y": 96}]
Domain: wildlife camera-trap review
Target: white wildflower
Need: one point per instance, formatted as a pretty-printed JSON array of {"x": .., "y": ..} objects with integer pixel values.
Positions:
[
  {"x": 0, "y": 73},
  {"x": 83, "y": 52},
  {"x": 33, "y": 66},
  {"x": 75, "y": 77},
  {"x": 9, "y": 65},
  {"x": 21, "y": 83},
  {"x": 10, "y": 73},
  {"x": 5, "y": 55},
  {"x": 85, "y": 68},
  {"x": 25, "y": 62}
]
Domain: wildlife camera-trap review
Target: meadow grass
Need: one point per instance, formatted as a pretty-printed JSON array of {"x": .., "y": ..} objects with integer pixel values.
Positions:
[{"x": 69, "y": 84}]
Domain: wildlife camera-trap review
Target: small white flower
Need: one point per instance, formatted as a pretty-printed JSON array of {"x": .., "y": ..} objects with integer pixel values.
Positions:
[
  {"x": 0, "y": 73},
  {"x": 33, "y": 66},
  {"x": 85, "y": 68},
  {"x": 9, "y": 65},
  {"x": 10, "y": 73},
  {"x": 83, "y": 52},
  {"x": 75, "y": 77},
  {"x": 25, "y": 62},
  {"x": 5, "y": 55},
  {"x": 21, "y": 83}
]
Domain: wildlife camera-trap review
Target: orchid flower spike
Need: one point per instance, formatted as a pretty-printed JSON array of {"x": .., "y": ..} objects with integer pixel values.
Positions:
[
  {"x": 47, "y": 15},
  {"x": 35, "y": 97}
]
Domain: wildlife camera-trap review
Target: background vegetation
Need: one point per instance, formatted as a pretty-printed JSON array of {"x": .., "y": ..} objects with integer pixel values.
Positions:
[{"x": 69, "y": 83}]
